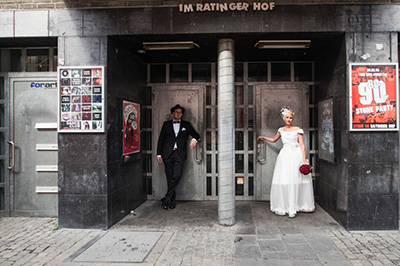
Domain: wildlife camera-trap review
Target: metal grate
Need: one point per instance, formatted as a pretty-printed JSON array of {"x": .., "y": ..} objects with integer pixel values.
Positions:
[{"x": 118, "y": 247}]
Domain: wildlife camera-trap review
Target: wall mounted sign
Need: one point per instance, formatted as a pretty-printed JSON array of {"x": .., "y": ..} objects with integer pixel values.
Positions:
[
  {"x": 81, "y": 99},
  {"x": 224, "y": 7},
  {"x": 326, "y": 131},
  {"x": 131, "y": 127},
  {"x": 373, "y": 97}
]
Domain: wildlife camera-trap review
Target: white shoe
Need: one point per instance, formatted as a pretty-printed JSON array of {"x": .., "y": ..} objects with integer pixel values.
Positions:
[{"x": 292, "y": 215}]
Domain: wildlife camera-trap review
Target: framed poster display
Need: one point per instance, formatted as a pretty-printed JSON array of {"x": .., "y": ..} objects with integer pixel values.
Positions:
[
  {"x": 81, "y": 103},
  {"x": 131, "y": 127},
  {"x": 326, "y": 130},
  {"x": 373, "y": 97}
]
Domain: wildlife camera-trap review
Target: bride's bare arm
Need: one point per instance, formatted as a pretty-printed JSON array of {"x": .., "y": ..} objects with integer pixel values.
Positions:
[{"x": 274, "y": 139}]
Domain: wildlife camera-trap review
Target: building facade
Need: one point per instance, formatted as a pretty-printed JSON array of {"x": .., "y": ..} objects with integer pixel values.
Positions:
[{"x": 159, "y": 53}]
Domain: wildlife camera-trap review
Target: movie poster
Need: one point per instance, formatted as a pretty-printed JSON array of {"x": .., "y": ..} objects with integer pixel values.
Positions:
[
  {"x": 373, "y": 97},
  {"x": 81, "y": 99},
  {"x": 131, "y": 127}
]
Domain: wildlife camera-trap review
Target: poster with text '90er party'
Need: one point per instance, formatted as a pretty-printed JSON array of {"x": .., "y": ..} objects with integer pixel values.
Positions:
[
  {"x": 373, "y": 97},
  {"x": 81, "y": 99}
]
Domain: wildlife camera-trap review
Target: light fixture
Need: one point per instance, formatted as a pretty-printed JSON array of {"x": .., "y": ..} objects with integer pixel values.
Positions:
[
  {"x": 283, "y": 44},
  {"x": 169, "y": 45}
]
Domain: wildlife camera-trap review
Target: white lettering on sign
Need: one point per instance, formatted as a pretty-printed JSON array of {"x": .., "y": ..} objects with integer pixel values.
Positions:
[
  {"x": 223, "y": 7},
  {"x": 372, "y": 90}
]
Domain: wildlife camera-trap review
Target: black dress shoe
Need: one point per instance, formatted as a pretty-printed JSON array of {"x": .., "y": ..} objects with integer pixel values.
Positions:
[
  {"x": 165, "y": 207},
  {"x": 172, "y": 206}
]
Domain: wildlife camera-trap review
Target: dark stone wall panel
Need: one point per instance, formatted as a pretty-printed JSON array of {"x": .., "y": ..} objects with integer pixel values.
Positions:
[
  {"x": 135, "y": 20},
  {"x": 373, "y": 179},
  {"x": 379, "y": 212},
  {"x": 168, "y": 20},
  {"x": 385, "y": 18},
  {"x": 82, "y": 51},
  {"x": 354, "y": 18},
  {"x": 114, "y": 139},
  {"x": 365, "y": 45},
  {"x": 82, "y": 179},
  {"x": 75, "y": 148},
  {"x": 116, "y": 179},
  {"x": 162, "y": 20},
  {"x": 332, "y": 184},
  {"x": 126, "y": 80},
  {"x": 328, "y": 203},
  {"x": 100, "y": 22},
  {"x": 373, "y": 147},
  {"x": 82, "y": 211},
  {"x": 34, "y": 4},
  {"x": 118, "y": 206},
  {"x": 331, "y": 191}
]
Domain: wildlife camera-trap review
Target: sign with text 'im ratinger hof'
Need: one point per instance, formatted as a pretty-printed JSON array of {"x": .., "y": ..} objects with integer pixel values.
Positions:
[
  {"x": 81, "y": 99},
  {"x": 373, "y": 97}
]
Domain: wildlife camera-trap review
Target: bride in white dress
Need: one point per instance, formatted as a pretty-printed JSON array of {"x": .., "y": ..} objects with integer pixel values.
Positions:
[{"x": 291, "y": 191}]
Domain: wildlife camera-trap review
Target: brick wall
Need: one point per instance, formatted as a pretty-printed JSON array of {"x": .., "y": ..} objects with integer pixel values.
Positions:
[{"x": 73, "y": 4}]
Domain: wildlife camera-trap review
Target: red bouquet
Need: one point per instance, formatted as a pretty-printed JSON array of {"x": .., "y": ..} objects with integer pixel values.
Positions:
[{"x": 305, "y": 169}]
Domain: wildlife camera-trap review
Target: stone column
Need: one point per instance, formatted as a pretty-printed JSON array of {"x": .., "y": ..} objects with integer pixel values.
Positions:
[
  {"x": 372, "y": 157},
  {"x": 226, "y": 132}
]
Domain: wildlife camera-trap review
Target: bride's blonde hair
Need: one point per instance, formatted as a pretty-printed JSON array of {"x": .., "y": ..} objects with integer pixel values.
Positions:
[{"x": 286, "y": 110}]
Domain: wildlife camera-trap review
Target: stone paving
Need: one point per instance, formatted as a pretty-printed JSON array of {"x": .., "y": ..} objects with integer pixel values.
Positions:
[
  {"x": 191, "y": 236},
  {"x": 368, "y": 247}
]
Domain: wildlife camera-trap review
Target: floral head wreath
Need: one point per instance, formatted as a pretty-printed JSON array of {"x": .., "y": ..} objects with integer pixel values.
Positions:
[{"x": 285, "y": 111}]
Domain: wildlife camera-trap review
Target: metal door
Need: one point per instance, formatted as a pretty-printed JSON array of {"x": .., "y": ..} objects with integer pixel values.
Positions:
[
  {"x": 269, "y": 100},
  {"x": 33, "y": 134},
  {"x": 192, "y": 185}
]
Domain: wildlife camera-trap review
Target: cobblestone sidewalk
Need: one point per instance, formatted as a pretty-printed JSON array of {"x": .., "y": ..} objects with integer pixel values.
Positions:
[
  {"x": 368, "y": 247},
  {"x": 189, "y": 239}
]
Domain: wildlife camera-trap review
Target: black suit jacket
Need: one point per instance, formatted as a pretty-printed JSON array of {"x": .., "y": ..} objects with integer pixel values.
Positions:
[{"x": 167, "y": 139}]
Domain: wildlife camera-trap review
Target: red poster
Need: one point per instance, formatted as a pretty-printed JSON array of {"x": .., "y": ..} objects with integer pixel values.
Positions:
[
  {"x": 131, "y": 127},
  {"x": 373, "y": 97}
]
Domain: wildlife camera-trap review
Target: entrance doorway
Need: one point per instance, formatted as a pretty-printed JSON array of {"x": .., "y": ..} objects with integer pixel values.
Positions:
[
  {"x": 270, "y": 99},
  {"x": 191, "y": 186},
  {"x": 261, "y": 89}
]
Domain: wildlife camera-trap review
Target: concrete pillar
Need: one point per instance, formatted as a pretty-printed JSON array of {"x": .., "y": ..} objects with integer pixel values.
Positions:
[{"x": 226, "y": 132}]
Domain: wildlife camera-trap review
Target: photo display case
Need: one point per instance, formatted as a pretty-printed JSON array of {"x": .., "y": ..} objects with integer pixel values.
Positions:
[{"x": 81, "y": 99}]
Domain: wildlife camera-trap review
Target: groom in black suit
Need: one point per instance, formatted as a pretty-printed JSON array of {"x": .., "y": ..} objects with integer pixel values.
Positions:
[{"x": 172, "y": 149}]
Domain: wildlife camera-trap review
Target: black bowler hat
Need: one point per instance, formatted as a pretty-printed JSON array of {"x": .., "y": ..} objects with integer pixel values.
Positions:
[{"x": 177, "y": 107}]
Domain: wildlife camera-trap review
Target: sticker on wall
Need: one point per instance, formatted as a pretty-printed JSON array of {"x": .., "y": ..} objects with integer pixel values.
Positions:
[
  {"x": 373, "y": 97},
  {"x": 81, "y": 99}
]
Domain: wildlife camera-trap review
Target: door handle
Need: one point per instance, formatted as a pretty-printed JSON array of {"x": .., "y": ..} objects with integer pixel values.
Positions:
[
  {"x": 196, "y": 158},
  {"x": 12, "y": 157},
  {"x": 261, "y": 152}
]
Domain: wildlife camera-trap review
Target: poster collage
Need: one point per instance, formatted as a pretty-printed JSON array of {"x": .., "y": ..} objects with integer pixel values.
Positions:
[
  {"x": 373, "y": 97},
  {"x": 81, "y": 102}
]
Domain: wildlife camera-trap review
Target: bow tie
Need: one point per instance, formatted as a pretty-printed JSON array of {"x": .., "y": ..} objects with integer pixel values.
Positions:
[{"x": 176, "y": 122}]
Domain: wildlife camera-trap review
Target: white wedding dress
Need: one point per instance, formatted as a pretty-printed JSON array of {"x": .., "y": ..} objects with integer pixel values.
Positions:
[{"x": 291, "y": 191}]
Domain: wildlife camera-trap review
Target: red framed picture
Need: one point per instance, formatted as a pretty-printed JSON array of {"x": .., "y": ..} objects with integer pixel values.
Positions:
[{"x": 131, "y": 127}]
